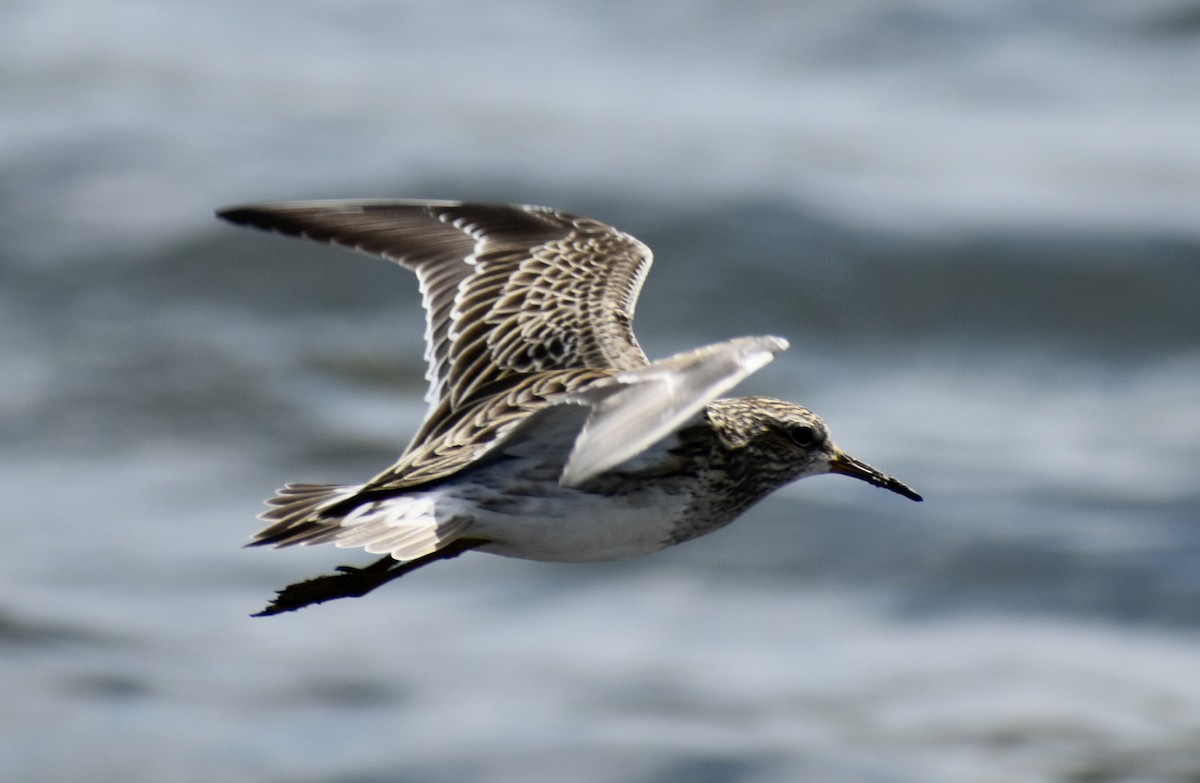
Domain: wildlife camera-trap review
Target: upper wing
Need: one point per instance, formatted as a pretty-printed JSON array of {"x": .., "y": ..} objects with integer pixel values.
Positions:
[
  {"x": 633, "y": 410},
  {"x": 508, "y": 290},
  {"x": 599, "y": 419}
]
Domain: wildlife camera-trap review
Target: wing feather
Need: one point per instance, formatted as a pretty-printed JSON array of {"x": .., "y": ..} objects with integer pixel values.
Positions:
[
  {"x": 507, "y": 289},
  {"x": 528, "y": 326},
  {"x": 616, "y": 415}
]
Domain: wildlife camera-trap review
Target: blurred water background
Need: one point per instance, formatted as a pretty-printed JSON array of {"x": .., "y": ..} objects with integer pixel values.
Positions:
[{"x": 978, "y": 221}]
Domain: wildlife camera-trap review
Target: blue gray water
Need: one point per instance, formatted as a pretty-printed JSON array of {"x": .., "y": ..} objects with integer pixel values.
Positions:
[{"x": 977, "y": 223}]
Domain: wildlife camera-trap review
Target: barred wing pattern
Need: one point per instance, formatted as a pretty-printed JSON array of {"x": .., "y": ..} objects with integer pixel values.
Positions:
[
  {"x": 530, "y": 352},
  {"x": 624, "y": 412},
  {"x": 508, "y": 290}
]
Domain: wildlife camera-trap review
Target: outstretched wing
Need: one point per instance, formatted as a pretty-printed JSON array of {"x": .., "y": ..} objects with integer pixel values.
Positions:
[
  {"x": 508, "y": 290},
  {"x": 610, "y": 417}
]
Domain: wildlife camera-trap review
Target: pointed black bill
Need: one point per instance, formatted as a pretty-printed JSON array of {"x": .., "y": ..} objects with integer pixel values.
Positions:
[{"x": 848, "y": 466}]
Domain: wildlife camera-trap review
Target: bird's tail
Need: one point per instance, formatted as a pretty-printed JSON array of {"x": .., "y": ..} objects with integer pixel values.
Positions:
[
  {"x": 297, "y": 514},
  {"x": 405, "y": 526}
]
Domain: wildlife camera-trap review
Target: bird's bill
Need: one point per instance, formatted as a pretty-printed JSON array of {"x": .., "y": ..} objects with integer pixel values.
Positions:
[{"x": 846, "y": 465}]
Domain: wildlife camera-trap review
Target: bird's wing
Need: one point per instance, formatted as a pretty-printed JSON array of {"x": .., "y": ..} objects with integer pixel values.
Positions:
[
  {"x": 584, "y": 422},
  {"x": 589, "y": 421},
  {"x": 633, "y": 410},
  {"x": 508, "y": 290}
]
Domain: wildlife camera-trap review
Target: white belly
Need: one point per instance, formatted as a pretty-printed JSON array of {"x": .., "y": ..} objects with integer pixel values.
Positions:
[
  {"x": 520, "y": 508},
  {"x": 572, "y": 526}
]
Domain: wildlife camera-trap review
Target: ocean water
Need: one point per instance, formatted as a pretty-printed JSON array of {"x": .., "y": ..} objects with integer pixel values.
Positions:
[{"x": 976, "y": 222}]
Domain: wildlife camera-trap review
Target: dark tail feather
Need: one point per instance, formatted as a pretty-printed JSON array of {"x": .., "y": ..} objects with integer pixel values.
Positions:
[{"x": 297, "y": 514}]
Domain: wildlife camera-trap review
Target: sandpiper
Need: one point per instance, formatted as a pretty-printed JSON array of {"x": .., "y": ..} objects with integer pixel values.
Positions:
[{"x": 549, "y": 435}]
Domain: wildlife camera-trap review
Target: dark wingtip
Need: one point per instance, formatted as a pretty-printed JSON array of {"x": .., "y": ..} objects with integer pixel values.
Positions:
[{"x": 241, "y": 215}]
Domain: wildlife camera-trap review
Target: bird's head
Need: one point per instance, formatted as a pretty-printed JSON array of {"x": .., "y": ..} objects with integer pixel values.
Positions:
[{"x": 785, "y": 442}]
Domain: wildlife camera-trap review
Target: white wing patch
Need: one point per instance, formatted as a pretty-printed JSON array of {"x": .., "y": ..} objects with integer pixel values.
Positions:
[
  {"x": 405, "y": 527},
  {"x": 637, "y": 408}
]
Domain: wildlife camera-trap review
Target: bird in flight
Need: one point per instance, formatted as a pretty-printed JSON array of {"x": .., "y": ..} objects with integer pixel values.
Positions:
[{"x": 549, "y": 435}]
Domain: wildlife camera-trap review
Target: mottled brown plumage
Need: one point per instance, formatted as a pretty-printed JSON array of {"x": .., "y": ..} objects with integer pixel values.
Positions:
[{"x": 549, "y": 435}]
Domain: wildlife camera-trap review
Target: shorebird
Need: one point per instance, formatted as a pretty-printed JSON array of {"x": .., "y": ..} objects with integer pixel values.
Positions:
[{"x": 549, "y": 434}]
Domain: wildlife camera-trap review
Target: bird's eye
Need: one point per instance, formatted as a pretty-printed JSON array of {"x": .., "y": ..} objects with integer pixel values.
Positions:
[{"x": 803, "y": 435}]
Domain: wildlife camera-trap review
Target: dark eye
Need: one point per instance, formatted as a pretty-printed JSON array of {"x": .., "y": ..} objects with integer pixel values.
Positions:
[{"x": 803, "y": 435}]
